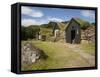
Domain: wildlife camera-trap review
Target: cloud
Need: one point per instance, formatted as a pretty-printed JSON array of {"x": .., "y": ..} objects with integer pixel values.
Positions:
[
  {"x": 28, "y": 22},
  {"x": 26, "y": 10},
  {"x": 55, "y": 19},
  {"x": 88, "y": 13},
  {"x": 31, "y": 12}
]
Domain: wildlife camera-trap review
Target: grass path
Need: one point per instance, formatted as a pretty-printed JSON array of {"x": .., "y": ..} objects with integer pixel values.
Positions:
[
  {"x": 63, "y": 55},
  {"x": 88, "y": 57}
]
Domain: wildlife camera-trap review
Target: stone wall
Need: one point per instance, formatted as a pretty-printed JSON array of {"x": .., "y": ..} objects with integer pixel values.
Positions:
[{"x": 88, "y": 34}]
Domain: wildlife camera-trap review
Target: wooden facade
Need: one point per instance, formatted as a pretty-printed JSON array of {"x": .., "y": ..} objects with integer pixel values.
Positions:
[{"x": 73, "y": 32}]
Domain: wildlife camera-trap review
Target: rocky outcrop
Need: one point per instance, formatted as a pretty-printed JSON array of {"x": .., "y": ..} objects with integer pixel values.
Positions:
[{"x": 30, "y": 54}]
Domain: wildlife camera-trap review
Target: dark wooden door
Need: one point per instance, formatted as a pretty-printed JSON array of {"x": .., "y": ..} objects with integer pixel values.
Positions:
[{"x": 72, "y": 36}]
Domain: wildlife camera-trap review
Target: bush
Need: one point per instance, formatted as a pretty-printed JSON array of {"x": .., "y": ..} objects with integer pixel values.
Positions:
[{"x": 29, "y": 32}]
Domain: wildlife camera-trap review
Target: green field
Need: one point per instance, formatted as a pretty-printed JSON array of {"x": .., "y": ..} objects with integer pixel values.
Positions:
[{"x": 60, "y": 55}]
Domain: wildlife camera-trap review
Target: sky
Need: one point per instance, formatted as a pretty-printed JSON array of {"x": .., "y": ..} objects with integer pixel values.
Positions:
[{"x": 42, "y": 15}]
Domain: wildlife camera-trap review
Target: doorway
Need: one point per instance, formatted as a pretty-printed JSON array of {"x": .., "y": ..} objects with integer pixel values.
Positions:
[{"x": 72, "y": 36}]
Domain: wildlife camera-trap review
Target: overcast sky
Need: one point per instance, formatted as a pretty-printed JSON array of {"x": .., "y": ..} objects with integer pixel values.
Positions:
[{"x": 41, "y": 15}]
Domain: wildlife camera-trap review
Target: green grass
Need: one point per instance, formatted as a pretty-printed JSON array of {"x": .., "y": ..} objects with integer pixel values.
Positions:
[
  {"x": 88, "y": 48},
  {"x": 59, "y": 56}
]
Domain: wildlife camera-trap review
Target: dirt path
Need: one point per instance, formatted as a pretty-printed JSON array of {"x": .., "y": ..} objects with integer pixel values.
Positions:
[{"x": 88, "y": 57}]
